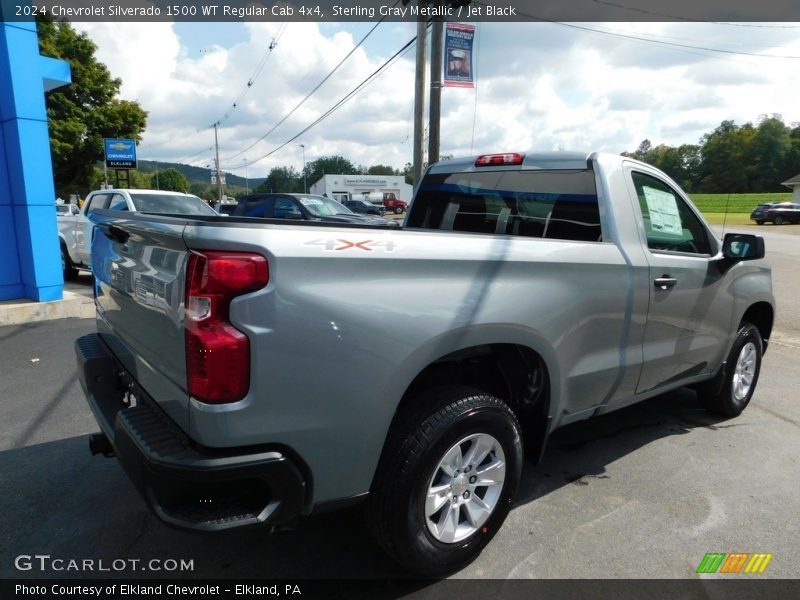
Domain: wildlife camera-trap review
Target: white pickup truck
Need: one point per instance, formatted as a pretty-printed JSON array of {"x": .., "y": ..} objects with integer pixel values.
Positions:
[{"x": 75, "y": 229}]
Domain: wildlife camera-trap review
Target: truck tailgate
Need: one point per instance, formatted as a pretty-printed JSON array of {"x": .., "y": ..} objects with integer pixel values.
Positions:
[{"x": 139, "y": 265}]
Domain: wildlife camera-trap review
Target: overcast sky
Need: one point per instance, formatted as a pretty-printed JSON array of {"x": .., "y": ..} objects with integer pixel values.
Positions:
[{"x": 540, "y": 86}]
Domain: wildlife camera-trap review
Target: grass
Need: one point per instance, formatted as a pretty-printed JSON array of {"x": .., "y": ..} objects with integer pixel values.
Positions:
[
  {"x": 717, "y": 218},
  {"x": 735, "y": 203}
]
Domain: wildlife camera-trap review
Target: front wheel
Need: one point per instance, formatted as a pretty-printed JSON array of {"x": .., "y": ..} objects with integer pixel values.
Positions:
[
  {"x": 446, "y": 480},
  {"x": 398, "y": 210},
  {"x": 759, "y": 222},
  {"x": 730, "y": 396},
  {"x": 67, "y": 266}
]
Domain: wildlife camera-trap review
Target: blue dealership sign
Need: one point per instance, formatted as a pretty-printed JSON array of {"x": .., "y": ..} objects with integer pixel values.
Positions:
[{"x": 120, "y": 154}]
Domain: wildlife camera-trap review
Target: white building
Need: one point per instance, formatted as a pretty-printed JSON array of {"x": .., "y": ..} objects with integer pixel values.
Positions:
[
  {"x": 794, "y": 185},
  {"x": 349, "y": 187}
]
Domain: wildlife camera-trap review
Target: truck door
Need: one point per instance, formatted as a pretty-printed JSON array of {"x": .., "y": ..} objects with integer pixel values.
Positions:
[
  {"x": 83, "y": 230},
  {"x": 688, "y": 314}
]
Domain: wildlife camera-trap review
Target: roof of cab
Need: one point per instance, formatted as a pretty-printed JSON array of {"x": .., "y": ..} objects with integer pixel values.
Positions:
[{"x": 531, "y": 160}]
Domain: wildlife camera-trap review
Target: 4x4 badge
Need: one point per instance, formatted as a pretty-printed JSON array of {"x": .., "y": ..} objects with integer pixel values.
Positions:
[{"x": 338, "y": 244}]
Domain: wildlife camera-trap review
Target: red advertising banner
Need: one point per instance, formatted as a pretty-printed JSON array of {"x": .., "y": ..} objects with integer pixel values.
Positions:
[{"x": 458, "y": 39}]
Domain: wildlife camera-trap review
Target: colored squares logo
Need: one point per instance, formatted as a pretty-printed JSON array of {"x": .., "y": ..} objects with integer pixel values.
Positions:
[{"x": 734, "y": 563}]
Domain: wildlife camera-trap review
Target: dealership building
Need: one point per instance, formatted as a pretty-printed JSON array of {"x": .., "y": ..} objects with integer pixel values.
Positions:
[{"x": 346, "y": 187}]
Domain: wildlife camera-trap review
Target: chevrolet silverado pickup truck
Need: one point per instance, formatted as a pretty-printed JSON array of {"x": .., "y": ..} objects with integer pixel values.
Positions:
[
  {"x": 251, "y": 371},
  {"x": 75, "y": 229}
]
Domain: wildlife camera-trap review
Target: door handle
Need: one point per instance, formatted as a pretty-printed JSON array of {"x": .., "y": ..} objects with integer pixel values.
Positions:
[{"x": 665, "y": 282}]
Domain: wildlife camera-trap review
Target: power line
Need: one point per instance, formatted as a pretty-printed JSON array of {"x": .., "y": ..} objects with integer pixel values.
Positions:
[
  {"x": 303, "y": 101},
  {"x": 690, "y": 19},
  {"x": 253, "y": 77},
  {"x": 342, "y": 101},
  {"x": 650, "y": 40}
]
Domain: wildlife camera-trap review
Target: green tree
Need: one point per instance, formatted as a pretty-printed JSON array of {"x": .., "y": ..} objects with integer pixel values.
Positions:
[
  {"x": 328, "y": 165},
  {"x": 381, "y": 170},
  {"x": 282, "y": 179},
  {"x": 174, "y": 180},
  {"x": 80, "y": 115},
  {"x": 725, "y": 158}
]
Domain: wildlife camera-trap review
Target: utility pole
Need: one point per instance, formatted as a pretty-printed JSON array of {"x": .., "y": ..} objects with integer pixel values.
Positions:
[
  {"x": 216, "y": 165},
  {"x": 305, "y": 187},
  {"x": 419, "y": 101},
  {"x": 437, "y": 37},
  {"x": 246, "y": 186}
]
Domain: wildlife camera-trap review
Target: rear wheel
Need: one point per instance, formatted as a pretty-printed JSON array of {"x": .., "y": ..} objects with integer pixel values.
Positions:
[
  {"x": 778, "y": 220},
  {"x": 730, "y": 392},
  {"x": 446, "y": 480}
]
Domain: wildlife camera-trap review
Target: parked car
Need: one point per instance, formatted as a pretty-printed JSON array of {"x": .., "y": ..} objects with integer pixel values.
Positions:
[
  {"x": 777, "y": 213},
  {"x": 227, "y": 208},
  {"x": 306, "y": 207},
  {"x": 67, "y": 209},
  {"x": 75, "y": 229},
  {"x": 362, "y": 206}
]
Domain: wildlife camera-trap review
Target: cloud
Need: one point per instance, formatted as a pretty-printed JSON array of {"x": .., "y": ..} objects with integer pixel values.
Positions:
[{"x": 541, "y": 86}]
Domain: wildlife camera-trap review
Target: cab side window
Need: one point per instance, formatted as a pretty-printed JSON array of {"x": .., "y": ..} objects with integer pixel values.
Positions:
[{"x": 669, "y": 223}]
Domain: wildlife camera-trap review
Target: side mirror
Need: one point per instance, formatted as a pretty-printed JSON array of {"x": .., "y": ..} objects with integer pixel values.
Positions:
[{"x": 742, "y": 246}]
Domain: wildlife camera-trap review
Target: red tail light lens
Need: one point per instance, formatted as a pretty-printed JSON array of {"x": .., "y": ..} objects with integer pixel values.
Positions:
[
  {"x": 218, "y": 354},
  {"x": 510, "y": 158}
]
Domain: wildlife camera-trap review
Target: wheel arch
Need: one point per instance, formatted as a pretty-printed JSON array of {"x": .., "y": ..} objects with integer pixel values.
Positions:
[
  {"x": 762, "y": 315},
  {"x": 500, "y": 368}
]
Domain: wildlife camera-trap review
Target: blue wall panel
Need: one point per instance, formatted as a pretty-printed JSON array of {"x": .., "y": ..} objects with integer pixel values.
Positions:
[{"x": 31, "y": 265}]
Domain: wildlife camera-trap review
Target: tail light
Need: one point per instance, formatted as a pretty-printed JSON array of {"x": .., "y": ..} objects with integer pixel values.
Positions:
[
  {"x": 509, "y": 158},
  {"x": 218, "y": 354}
]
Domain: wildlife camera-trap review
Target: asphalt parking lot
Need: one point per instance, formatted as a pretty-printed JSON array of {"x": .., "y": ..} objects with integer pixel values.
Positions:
[{"x": 644, "y": 492}]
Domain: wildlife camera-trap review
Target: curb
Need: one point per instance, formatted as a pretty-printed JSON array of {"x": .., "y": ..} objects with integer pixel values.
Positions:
[{"x": 16, "y": 312}]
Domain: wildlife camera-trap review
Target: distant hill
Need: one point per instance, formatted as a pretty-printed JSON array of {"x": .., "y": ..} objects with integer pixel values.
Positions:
[{"x": 197, "y": 174}]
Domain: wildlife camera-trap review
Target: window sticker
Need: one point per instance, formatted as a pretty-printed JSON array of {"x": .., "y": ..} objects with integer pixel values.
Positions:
[
  {"x": 663, "y": 209},
  {"x": 310, "y": 202}
]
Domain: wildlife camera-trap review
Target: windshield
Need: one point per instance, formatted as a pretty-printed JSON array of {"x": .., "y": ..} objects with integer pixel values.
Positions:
[
  {"x": 175, "y": 204},
  {"x": 320, "y": 206}
]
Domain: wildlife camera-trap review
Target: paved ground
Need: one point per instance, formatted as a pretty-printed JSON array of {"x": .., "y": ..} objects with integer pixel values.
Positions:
[{"x": 644, "y": 492}]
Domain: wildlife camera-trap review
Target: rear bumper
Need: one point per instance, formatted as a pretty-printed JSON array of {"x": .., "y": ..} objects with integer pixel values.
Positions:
[{"x": 186, "y": 485}]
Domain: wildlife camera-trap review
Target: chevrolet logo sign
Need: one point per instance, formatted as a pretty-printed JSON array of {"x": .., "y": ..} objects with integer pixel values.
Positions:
[{"x": 119, "y": 146}]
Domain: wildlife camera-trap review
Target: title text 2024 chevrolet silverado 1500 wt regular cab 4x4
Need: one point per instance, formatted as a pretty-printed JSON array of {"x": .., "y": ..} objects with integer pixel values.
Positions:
[
  {"x": 249, "y": 371},
  {"x": 75, "y": 229}
]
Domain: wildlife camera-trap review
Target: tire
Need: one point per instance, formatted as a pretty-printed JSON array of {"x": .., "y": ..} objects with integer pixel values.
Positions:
[
  {"x": 67, "y": 266},
  {"x": 398, "y": 210},
  {"x": 759, "y": 222},
  {"x": 778, "y": 220},
  {"x": 435, "y": 532},
  {"x": 729, "y": 393}
]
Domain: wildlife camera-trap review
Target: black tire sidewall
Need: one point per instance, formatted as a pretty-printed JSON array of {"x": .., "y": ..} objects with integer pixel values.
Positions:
[
  {"x": 430, "y": 554},
  {"x": 729, "y": 405}
]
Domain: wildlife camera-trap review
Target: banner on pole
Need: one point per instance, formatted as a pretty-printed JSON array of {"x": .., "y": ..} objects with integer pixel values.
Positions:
[{"x": 458, "y": 38}]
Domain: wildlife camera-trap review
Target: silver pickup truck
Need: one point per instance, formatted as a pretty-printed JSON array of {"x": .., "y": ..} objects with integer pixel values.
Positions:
[
  {"x": 250, "y": 371},
  {"x": 75, "y": 229}
]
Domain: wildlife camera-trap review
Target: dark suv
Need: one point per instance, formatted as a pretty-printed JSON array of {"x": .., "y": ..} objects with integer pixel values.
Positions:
[
  {"x": 778, "y": 213},
  {"x": 308, "y": 207},
  {"x": 362, "y": 206}
]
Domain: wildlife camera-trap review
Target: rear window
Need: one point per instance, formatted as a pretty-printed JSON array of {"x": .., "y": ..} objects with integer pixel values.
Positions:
[
  {"x": 171, "y": 204},
  {"x": 553, "y": 204}
]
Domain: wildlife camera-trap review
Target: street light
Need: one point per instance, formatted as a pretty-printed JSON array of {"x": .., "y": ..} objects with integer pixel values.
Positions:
[{"x": 305, "y": 187}]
